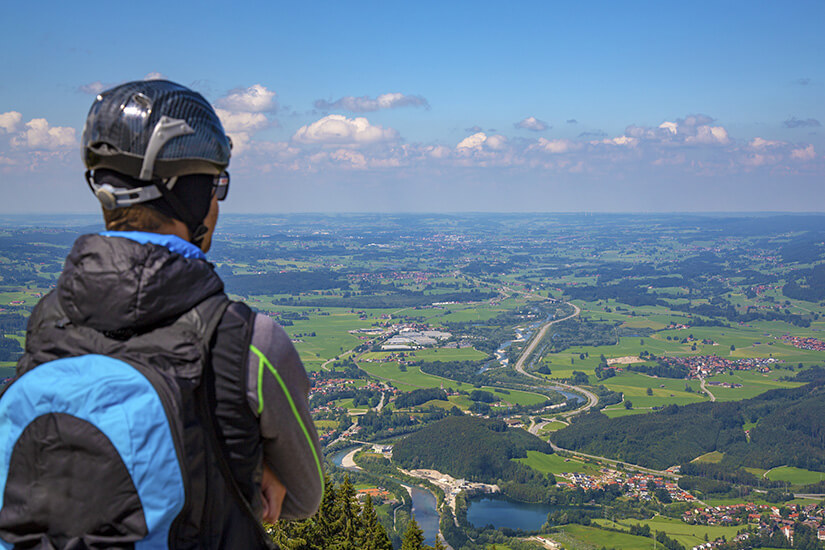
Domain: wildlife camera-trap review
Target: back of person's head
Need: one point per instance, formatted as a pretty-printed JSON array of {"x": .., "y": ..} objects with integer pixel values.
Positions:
[{"x": 155, "y": 152}]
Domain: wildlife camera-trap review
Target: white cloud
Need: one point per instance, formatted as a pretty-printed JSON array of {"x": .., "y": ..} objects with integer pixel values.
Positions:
[
  {"x": 474, "y": 141},
  {"x": 437, "y": 151},
  {"x": 9, "y": 121},
  {"x": 556, "y": 146},
  {"x": 709, "y": 135},
  {"x": 94, "y": 88},
  {"x": 240, "y": 126},
  {"x": 760, "y": 143},
  {"x": 39, "y": 135},
  {"x": 622, "y": 141},
  {"x": 695, "y": 120},
  {"x": 496, "y": 142},
  {"x": 755, "y": 160},
  {"x": 255, "y": 99},
  {"x": 670, "y": 127},
  {"x": 155, "y": 76},
  {"x": 339, "y": 130},
  {"x": 366, "y": 104},
  {"x": 352, "y": 159},
  {"x": 242, "y": 121},
  {"x": 807, "y": 153},
  {"x": 533, "y": 124}
]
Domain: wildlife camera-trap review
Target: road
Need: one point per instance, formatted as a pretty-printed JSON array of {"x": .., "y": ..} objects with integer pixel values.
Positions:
[
  {"x": 707, "y": 391},
  {"x": 592, "y": 400},
  {"x": 662, "y": 473}
]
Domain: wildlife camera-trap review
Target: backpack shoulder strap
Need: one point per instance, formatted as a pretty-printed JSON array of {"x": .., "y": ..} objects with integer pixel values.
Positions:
[
  {"x": 208, "y": 316},
  {"x": 211, "y": 311}
]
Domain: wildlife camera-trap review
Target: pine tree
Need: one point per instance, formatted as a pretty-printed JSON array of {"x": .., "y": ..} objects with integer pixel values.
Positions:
[
  {"x": 340, "y": 524},
  {"x": 413, "y": 536},
  {"x": 347, "y": 510},
  {"x": 328, "y": 525},
  {"x": 438, "y": 544},
  {"x": 373, "y": 535}
]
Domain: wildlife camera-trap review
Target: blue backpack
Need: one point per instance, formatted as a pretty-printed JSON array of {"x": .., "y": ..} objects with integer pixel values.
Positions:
[{"x": 115, "y": 449}]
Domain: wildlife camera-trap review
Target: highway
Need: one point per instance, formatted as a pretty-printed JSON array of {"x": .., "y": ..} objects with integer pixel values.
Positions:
[{"x": 592, "y": 399}]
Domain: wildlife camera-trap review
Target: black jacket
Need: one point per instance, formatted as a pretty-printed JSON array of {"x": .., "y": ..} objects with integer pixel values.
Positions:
[{"x": 114, "y": 289}]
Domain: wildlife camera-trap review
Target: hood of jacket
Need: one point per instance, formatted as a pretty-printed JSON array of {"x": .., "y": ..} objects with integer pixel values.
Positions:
[{"x": 115, "y": 283}]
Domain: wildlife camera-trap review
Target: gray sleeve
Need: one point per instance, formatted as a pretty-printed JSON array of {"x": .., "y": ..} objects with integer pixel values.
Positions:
[{"x": 277, "y": 390}]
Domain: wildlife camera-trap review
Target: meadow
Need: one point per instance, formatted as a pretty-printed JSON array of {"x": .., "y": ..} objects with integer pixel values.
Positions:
[
  {"x": 795, "y": 476},
  {"x": 580, "y": 537},
  {"x": 684, "y": 533},
  {"x": 555, "y": 464}
]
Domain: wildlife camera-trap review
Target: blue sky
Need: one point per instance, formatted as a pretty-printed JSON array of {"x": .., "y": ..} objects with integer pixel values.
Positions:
[{"x": 442, "y": 106}]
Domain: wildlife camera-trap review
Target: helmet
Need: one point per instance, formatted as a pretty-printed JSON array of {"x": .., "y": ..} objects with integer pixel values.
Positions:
[
  {"x": 154, "y": 128},
  {"x": 144, "y": 137}
]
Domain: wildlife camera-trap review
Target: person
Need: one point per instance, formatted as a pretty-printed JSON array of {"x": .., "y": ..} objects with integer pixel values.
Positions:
[{"x": 156, "y": 155}]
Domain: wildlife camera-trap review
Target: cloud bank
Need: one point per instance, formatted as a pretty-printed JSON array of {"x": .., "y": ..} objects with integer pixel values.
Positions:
[{"x": 365, "y": 104}]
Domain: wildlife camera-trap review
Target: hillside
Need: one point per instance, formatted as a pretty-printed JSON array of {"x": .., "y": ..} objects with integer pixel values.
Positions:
[
  {"x": 477, "y": 449},
  {"x": 789, "y": 429}
]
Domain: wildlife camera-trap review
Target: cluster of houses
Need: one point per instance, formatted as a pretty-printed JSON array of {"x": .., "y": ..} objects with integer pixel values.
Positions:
[
  {"x": 379, "y": 495},
  {"x": 415, "y": 276},
  {"x": 813, "y": 344},
  {"x": 636, "y": 485},
  {"x": 700, "y": 366},
  {"x": 760, "y": 516}
]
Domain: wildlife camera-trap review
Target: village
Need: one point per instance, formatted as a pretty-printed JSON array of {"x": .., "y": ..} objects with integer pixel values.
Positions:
[
  {"x": 639, "y": 486},
  {"x": 802, "y": 342},
  {"x": 761, "y": 518},
  {"x": 701, "y": 366}
]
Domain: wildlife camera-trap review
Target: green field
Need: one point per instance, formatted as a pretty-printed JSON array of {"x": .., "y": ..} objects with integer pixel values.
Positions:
[
  {"x": 686, "y": 534},
  {"x": 795, "y": 476},
  {"x": 348, "y": 404},
  {"x": 555, "y": 464},
  {"x": 29, "y": 297},
  {"x": 551, "y": 427},
  {"x": 430, "y": 354},
  {"x": 712, "y": 457},
  {"x": 616, "y": 413},
  {"x": 666, "y": 391},
  {"x": 753, "y": 384},
  {"x": 414, "y": 379},
  {"x": 581, "y": 537}
]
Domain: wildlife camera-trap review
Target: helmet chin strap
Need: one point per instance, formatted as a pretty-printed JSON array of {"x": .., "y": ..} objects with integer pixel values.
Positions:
[{"x": 197, "y": 231}]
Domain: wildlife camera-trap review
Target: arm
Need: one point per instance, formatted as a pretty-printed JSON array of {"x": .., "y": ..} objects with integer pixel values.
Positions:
[{"x": 277, "y": 392}]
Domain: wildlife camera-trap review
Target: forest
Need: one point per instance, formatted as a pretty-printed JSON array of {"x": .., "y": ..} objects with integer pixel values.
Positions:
[
  {"x": 790, "y": 429},
  {"x": 479, "y": 450}
]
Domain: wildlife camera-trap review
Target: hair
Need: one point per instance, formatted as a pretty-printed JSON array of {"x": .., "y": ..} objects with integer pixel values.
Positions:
[{"x": 135, "y": 218}]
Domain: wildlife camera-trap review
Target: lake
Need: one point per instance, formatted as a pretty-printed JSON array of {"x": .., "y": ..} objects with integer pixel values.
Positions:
[{"x": 502, "y": 512}]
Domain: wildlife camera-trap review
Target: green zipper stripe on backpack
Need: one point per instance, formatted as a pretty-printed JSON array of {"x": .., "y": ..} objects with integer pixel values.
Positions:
[{"x": 262, "y": 360}]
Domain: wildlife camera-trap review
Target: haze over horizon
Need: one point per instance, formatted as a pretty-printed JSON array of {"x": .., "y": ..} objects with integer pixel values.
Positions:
[{"x": 600, "y": 107}]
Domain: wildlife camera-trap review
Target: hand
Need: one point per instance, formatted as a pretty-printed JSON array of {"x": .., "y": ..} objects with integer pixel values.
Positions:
[{"x": 272, "y": 495}]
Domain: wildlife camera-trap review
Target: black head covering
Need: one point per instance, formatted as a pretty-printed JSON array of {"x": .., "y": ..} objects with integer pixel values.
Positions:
[{"x": 193, "y": 190}]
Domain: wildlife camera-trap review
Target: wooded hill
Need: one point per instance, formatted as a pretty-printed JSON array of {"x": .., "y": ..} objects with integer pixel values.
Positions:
[
  {"x": 477, "y": 449},
  {"x": 790, "y": 430}
]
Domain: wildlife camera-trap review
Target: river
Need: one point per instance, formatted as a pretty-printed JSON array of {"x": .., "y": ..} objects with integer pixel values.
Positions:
[
  {"x": 423, "y": 502},
  {"x": 338, "y": 456},
  {"x": 425, "y": 513}
]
